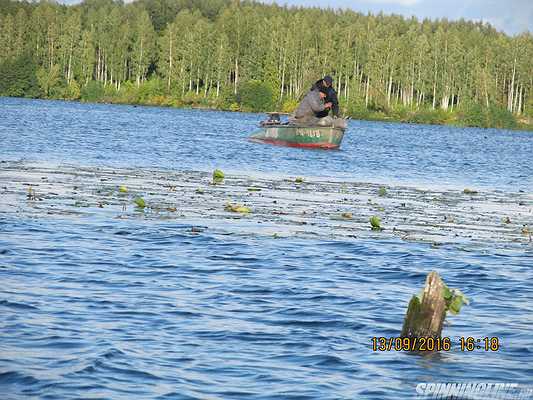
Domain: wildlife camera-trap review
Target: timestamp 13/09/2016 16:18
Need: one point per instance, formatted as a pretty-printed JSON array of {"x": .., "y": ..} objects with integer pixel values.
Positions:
[{"x": 468, "y": 343}]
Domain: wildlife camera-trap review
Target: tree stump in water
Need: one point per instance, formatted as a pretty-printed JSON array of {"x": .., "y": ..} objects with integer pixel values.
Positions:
[{"x": 425, "y": 317}]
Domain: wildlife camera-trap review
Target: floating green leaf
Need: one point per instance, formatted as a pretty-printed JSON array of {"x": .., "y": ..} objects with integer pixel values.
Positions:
[
  {"x": 299, "y": 180},
  {"x": 123, "y": 189},
  {"x": 237, "y": 208},
  {"x": 199, "y": 191},
  {"x": 469, "y": 191},
  {"x": 139, "y": 202},
  {"x": 218, "y": 175},
  {"x": 454, "y": 299},
  {"x": 375, "y": 222},
  {"x": 382, "y": 192},
  {"x": 254, "y": 189}
]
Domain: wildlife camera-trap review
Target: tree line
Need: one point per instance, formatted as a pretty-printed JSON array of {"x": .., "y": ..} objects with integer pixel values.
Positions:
[{"x": 246, "y": 55}]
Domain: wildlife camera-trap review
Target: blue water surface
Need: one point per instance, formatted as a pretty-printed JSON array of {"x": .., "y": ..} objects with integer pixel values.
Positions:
[
  {"x": 131, "y": 136},
  {"x": 93, "y": 307}
]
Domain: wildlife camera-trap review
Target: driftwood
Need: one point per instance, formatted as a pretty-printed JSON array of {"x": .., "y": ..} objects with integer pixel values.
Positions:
[{"x": 425, "y": 317}]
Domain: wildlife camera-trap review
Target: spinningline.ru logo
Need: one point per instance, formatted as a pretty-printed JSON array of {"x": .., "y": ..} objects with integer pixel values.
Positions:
[{"x": 474, "y": 391}]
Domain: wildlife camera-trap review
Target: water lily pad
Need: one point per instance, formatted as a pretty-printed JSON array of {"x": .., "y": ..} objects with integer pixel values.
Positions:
[
  {"x": 469, "y": 191},
  {"x": 139, "y": 202},
  {"x": 455, "y": 299},
  {"x": 299, "y": 180},
  {"x": 238, "y": 208},
  {"x": 199, "y": 191},
  {"x": 123, "y": 189},
  {"x": 382, "y": 192},
  {"x": 254, "y": 189},
  {"x": 218, "y": 174},
  {"x": 375, "y": 222}
]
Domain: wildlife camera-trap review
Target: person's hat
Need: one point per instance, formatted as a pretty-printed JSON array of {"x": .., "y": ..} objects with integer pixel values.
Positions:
[{"x": 328, "y": 79}]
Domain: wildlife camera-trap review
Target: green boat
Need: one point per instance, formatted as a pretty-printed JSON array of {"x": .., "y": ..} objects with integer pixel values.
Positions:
[{"x": 273, "y": 131}]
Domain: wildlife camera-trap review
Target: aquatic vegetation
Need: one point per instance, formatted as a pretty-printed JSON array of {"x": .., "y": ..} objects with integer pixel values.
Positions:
[
  {"x": 382, "y": 192},
  {"x": 404, "y": 211},
  {"x": 139, "y": 202},
  {"x": 218, "y": 175},
  {"x": 375, "y": 222},
  {"x": 470, "y": 191},
  {"x": 299, "y": 180},
  {"x": 238, "y": 208},
  {"x": 31, "y": 194},
  {"x": 455, "y": 299},
  {"x": 123, "y": 189}
]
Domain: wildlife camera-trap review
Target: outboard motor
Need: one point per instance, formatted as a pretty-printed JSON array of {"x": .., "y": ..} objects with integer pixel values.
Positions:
[{"x": 274, "y": 118}]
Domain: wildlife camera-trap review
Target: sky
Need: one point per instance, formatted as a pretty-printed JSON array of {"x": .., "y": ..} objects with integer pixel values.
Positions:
[{"x": 511, "y": 16}]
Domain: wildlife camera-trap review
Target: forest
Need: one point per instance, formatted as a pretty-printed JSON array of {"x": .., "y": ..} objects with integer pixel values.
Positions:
[{"x": 248, "y": 56}]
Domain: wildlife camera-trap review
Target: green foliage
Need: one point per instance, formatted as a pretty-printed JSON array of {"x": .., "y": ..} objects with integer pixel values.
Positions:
[
  {"x": 399, "y": 113},
  {"x": 428, "y": 116},
  {"x": 72, "y": 91},
  {"x": 472, "y": 114},
  {"x": 528, "y": 108},
  {"x": 255, "y": 96},
  {"x": 357, "y": 110},
  {"x": 151, "y": 91},
  {"x": 128, "y": 93},
  {"x": 228, "y": 100},
  {"x": 499, "y": 117},
  {"x": 94, "y": 91},
  {"x": 289, "y": 106},
  {"x": 454, "y": 299},
  {"x": 18, "y": 78},
  {"x": 50, "y": 81}
]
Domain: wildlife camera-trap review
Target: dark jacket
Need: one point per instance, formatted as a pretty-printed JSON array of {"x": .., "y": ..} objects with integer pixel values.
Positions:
[{"x": 331, "y": 97}]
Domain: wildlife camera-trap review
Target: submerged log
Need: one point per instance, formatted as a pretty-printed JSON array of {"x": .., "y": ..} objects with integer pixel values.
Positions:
[{"x": 425, "y": 316}]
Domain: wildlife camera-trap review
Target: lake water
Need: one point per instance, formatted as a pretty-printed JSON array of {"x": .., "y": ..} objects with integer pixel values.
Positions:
[{"x": 100, "y": 307}]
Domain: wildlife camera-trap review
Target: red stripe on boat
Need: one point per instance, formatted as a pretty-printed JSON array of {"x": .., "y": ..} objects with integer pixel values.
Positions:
[{"x": 322, "y": 145}]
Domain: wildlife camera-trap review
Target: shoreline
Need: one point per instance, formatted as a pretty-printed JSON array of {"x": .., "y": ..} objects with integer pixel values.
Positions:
[{"x": 522, "y": 127}]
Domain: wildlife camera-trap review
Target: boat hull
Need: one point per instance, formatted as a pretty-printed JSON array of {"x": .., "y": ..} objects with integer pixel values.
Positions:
[{"x": 313, "y": 137}]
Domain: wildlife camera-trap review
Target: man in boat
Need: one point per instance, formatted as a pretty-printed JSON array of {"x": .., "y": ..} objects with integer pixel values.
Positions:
[
  {"x": 326, "y": 85},
  {"x": 309, "y": 107}
]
